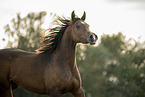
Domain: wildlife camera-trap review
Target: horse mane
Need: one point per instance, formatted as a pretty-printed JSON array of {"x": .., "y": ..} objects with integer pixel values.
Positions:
[{"x": 53, "y": 39}]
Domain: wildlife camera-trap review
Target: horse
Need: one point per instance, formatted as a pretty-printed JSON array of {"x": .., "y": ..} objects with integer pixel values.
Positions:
[{"x": 52, "y": 70}]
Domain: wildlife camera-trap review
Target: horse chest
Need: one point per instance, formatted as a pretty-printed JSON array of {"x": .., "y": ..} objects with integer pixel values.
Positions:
[{"x": 61, "y": 80}]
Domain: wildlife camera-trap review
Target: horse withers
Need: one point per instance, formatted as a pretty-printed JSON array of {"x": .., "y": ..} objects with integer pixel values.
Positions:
[{"x": 53, "y": 69}]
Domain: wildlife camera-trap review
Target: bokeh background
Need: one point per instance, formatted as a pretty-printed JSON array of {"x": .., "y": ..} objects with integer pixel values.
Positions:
[{"x": 114, "y": 67}]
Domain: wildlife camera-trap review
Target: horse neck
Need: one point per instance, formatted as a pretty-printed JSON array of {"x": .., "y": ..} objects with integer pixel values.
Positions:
[{"x": 67, "y": 49}]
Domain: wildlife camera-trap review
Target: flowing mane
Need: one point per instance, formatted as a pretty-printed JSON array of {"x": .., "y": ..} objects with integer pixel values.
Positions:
[{"x": 53, "y": 39}]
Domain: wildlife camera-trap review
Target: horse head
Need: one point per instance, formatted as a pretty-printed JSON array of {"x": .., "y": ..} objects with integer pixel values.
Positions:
[{"x": 80, "y": 30}]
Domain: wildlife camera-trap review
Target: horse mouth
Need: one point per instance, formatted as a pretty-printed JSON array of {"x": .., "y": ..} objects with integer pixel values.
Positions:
[{"x": 93, "y": 43}]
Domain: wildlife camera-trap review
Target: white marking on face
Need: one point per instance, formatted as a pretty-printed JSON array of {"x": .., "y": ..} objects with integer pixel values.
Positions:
[
  {"x": 94, "y": 37},
  {"x": 83, "y": 22}
]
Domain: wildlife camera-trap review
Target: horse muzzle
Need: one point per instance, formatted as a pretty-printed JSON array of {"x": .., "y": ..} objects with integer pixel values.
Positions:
[{"x": 92, "y": 39}]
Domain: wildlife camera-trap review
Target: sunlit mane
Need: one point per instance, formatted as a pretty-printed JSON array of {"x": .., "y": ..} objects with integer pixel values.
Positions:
[{"x": 53, "y": 39}]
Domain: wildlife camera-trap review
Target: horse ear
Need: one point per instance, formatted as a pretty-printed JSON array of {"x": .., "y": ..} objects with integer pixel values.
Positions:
[
  {"x": 84, "y": 16},
  {"x": 73, "y": 15}
]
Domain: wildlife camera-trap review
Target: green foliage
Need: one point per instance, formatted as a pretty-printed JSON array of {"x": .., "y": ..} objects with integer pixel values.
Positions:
[
  {"x": 125, "y": 71},
  {"x": 113, "y": 43},
  {"x": 115, "y": 68},
  {"x": 25, "y": 32}
]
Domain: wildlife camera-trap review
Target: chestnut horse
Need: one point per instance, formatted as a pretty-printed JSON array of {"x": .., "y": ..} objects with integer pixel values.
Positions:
[{"x": 53, "y": 69}]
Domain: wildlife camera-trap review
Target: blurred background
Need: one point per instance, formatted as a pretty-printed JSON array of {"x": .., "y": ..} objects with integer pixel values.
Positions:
[{"x": 115, "y": 67}]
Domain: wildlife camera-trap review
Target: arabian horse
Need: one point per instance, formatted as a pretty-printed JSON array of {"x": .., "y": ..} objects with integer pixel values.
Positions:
[{"x": 52, "y": 70}]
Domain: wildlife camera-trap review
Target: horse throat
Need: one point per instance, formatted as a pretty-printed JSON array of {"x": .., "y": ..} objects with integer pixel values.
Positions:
[{"x": 67, "y": 50}]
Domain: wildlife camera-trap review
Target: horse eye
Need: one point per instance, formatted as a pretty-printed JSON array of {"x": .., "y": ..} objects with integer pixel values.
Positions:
[{"x": 77, "y": 26}]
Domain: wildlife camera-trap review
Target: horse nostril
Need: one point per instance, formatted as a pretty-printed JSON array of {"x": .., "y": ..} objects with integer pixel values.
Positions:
[{"x": 91, "y": 36}]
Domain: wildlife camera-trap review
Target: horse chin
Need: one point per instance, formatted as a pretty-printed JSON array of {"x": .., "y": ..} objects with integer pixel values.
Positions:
[
  {"x": 89, "y": 43},
  {"x": 93, "y": 43}
]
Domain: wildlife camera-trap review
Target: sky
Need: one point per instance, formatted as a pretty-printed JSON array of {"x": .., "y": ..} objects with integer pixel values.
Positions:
[{"x": 103, "y": 16}]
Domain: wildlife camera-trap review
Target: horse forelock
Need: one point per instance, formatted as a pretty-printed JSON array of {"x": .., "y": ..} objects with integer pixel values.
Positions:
[{"x": 53, "y": 39}]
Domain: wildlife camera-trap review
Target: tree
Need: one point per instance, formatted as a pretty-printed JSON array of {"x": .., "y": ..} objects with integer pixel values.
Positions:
[
  {"x": 25, "y": 32},
  {"x": 125, "y": 71}
]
